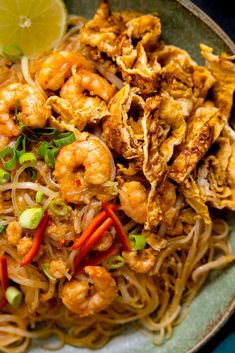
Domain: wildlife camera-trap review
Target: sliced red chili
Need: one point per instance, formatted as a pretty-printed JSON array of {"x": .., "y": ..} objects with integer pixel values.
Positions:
[
  {"x": 37, "y": 240},
  {"x": 92, "y": 227},
  {"x": 92, "y": 240},
  {"x": 118, "y": 227},
  {"x": 99, "y": 258}
]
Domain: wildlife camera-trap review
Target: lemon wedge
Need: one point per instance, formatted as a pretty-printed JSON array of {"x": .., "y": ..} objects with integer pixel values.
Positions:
[{"x": 31, "y": 26}]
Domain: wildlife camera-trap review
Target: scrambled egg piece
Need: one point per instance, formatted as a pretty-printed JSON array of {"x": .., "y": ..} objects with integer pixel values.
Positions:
[
  {"x": 203, "y": 128},
  {"x": 123, "y": 130}
]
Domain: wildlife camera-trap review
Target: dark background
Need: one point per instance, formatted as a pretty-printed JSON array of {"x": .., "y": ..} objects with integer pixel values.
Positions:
[{"x": 223, "y": 13}]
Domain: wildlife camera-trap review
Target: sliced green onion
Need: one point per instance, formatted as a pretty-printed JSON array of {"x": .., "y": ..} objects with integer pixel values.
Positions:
[
  {"x": 31, "y": 217},
  {"x": 12, "y": 52},
  {"x": 17, "y": 104},
  {"x": 28, "y": 157},
  {"x": 31, "y": 172},
  {"x": 50, "y": 156},
  {"x": 20, "y": 146},
  {"x": 65, "y": 138},
  {"x": 4, "y": 176},
  {"x": 114, "y": 262},
  {"x": 14, "y": 296},
  {"x": 46, "y": 131},
  {"x": 45, "y": 268},
  {"x": 138, "y": 242},
  {"x": 43, "y": 147},
  {"x": 28, "y": 133},
  {"x": 59, "y": 207},
  {"x": 39, "y": 196},
  {"x": 8, "y": 158},
  {"x": 2, "y": 228}
]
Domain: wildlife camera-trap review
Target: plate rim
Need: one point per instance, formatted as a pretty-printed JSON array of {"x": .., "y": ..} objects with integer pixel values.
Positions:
[{"x": 209, "y": 22}]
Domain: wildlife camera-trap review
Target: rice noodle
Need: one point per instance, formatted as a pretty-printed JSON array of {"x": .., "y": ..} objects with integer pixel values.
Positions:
[
  {"x": 113, "y": 167},
  {"x": 67, "y": 35},
  {"x": 27, "y": 76},
  {"x": 108, "y": 75},
  {"x": 28, "y": 185}
]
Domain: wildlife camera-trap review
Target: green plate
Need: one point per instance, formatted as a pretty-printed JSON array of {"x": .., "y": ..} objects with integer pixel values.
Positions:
[{"x": 186, "y": 26}]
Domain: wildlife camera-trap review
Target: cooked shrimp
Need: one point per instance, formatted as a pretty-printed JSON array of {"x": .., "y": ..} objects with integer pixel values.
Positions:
[
  {"x": 141, "y": 262},
  {"x": 76, "y": 106},
  {"x": 14, "y": 232},
  {"x": 82, "y": 168},
  {"x": 57, "y": 68},
  {"x": 75, "y": 294},
  {"x": 133, "y": 197},
  {"x": 32, "y": 110},
  {"x": 104, "y": 243}
]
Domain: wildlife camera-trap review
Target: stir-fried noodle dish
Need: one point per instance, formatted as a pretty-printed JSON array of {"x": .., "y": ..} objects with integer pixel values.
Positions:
[{"x": 116, "y": 152}]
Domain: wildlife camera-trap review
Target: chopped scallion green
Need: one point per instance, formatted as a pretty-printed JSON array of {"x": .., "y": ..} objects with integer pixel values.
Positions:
[
  {"x": 12, "y": 52},
  {"x": 28, "y": 133},
  {"x": 32, "y": 174},
  {"x": 46, "y": 131},
  {"x": 58, "y": 207},
  {"x": 39, "y": 196},
  {"x": 14, "y": 296},
  {"x": 8, "y": 158},
  {"x": 138, "y": 242},
  {"x": 4, "y": 176},
  {"x": 31, "y": 217},
  {"x": 20, "y": 146},
  {"x": 50, "y": 156},
  {"x": 114, "y": 262},
  {"x": 45, "y": 268},
  {"x": 65, "y": 138},
  {"x": 43, "y": 147},
  {"x": 28, "y": 157}
]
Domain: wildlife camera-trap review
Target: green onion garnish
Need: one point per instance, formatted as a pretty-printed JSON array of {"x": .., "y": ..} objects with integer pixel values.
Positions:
[
  {"x": 12, "y": 52},
  {"x": 8, "y": 158},
  {"x": 43, "y": 147},
  {"x": 4, "y": 176},
  {"x": 46, "y": 131},
  {"x": 58, "y": 207},
  {"x": 2, "y": 228},
  {"x": 50, "y": 156},
  {"x": 31, "y": 217},
  {"x": 31, "y": 172},
  {"x": 45, "y": 268},
  {"x": 28, "y": 133},
  {"x": 138, "y": 242},
  {"x": 114, "y": 262},
  {"x": 20, "y": 146},
  {"x": 39, "y": 196},
  {"x": 28, "y": 157},
  {"x": 14, "y": 296},
  {"x": 65, "y": 138}
]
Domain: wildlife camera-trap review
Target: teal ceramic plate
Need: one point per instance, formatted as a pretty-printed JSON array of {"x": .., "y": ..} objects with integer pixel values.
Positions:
[{"x": 186, "y": 26}]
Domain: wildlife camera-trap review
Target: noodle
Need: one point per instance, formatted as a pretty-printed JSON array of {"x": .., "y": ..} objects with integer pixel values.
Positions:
[{"x": 81, "y": 276}]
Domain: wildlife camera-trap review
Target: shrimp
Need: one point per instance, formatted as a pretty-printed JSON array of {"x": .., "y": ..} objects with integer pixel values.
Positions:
[
  {"x": 140, "y": 262},
  {"x": 81, "y": 169},
  {"x": 104, "y": 243},
  {"x": 14, "y": 232},
  {"x": 58, "y": 67},
  {"x": 75, "y": 294},
  {"x": 77, "y": 107},
  {"x": 133, "y": 198},
  {"x": 32, "y": 109}
]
